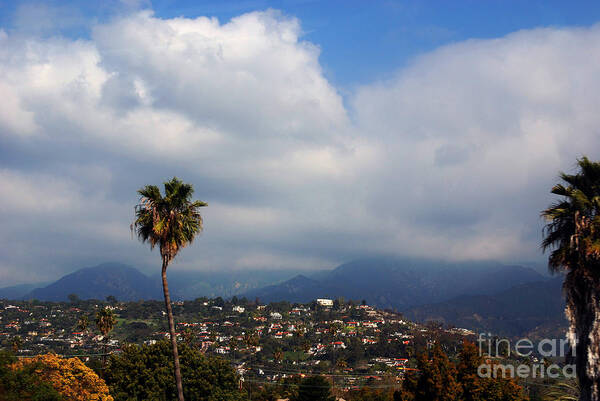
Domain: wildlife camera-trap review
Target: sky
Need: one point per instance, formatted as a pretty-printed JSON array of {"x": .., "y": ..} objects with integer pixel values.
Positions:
[{"x": 318, "y": 132}]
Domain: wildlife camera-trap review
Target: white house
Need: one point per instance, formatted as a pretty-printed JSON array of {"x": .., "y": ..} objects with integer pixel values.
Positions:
[{"x": 325, "y": 302}]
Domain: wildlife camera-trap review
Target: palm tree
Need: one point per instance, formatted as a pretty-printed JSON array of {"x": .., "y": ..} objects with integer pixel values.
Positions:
[
  {"x": 105, "y": 321},
  {"x": 564, "y": 391},
  {"x": 573, "y": 236},
  {"x": 171, "y": 222},
  {"x": 250, "y": 338},
  {"x": 16, "y": 343},
  {"x": 233, "y": 344},
  {"x": 278, "y": 356},
  {"x": 82, "y": 323}
]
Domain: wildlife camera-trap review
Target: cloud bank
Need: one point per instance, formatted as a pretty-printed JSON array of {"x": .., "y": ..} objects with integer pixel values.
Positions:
[{"x": 452, "y": 158}]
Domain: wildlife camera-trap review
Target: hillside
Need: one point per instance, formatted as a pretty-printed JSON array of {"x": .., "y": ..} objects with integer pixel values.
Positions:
[{"x": 523, "y": 309}]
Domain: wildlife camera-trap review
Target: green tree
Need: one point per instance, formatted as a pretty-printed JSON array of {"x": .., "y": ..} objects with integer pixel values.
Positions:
[
  {"x": 143, "y": 373},
  {"x": 171, "y": 221},
  {"x": 572, "y": 233},
  {"x": 105, "y": 321},
  {"x": 23, "y": 384},
  {"x": 314, "y": 388}
]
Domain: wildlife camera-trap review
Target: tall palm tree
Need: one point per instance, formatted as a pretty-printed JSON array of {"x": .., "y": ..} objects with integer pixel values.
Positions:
[
  {"x": 171, "y": 222},
  {"x": 105, "y": 321},
  {"x": 573, "y": 236}
]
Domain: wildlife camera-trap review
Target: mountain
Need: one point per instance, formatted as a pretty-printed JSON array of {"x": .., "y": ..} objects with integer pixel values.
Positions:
[
  {"x": 400, "y": 283},
  {"x": 121, "y": 281},
  {"x": 523, "y": 310},
  {"x": 127, "y": 283},
  {"x": 193, "y": 284},
  {"x": 16, "y": 291},
  {"x": 297, "y": 289}
]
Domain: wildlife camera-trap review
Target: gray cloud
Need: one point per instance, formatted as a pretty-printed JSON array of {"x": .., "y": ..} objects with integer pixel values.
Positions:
[{"x": 451, "y": 158}]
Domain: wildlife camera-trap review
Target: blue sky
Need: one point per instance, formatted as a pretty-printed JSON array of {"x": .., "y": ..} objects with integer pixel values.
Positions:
[
  {"x": 317, "y": 131},
  {"x": 360, "y": 40}
]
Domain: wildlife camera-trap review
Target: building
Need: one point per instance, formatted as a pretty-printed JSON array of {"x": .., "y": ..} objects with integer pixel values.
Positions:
[{"x": 325, "y": 302}]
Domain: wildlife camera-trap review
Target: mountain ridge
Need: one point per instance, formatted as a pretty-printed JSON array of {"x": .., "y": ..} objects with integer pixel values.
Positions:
[
  {"x": 402, "y": 283},
  {"x": 124, "y": 282}
]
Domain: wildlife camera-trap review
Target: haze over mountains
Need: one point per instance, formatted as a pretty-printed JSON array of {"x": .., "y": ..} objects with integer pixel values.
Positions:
[
  {"x": 400, "y": 283},
  {"x": 128, "y": 284},
  {"x": 507, "y": 299},
  {"x": 531, "y": 310}
]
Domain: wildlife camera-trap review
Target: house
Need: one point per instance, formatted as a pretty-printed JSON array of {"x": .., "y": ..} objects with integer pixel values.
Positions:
[
  {"x": 238, "y": 309},
  {"x": 328, "y": 303}
]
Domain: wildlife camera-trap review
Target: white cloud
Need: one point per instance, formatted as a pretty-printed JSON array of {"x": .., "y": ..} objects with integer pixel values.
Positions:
[
  {"x": 475, "y": 133},
  {"x": 35, "y": 194},
  {"x": 451, "y": 158}
]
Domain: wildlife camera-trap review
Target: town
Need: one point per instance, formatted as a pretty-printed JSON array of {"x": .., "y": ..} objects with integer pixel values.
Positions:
[{"x": 266, "y": 343}]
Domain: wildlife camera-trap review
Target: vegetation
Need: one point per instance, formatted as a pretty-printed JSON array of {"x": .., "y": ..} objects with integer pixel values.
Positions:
[
  {"x": 273, "y": 346},
  {"x": 83, "y": 323},
  {"x": 565, "y": 391},
  {"x": 105, "y": 321},
  {"x": 143, "y": 373},
  {"x": 171, "y": 222},
  {"x": 573, "y": 235},
  {"x": 441, "y": 379},
  {"x": 23, "y": 384},
  {"x": 69, "y": 377},
  {"x": 314, "y": 388}
]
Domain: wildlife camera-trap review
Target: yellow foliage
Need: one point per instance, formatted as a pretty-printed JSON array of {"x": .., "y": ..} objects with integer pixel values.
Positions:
[{"x": 69, "y": 376}]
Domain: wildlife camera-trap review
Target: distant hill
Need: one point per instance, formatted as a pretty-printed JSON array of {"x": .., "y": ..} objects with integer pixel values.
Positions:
[
  {"x": 297, "y": 289},
  {"x": 400, "y": 283},
  {"x": 127, "y": 283},
  {"x": 16, "y": 291},
  {"x": 522, "y": 310},
  {"x": 193, "y": 284},
  {"x": 121, "y": 281},
  {"x": 502, "y": 299}
]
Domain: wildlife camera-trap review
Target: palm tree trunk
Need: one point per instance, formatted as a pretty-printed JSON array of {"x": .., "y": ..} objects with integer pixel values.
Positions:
[
  {"x": 583, "y": 312},
  {"x": 105, "y": 349},
  {"x": 172, "y": 330}
]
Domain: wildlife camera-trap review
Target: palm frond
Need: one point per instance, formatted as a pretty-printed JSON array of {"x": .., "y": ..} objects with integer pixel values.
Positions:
[
  {"x": 572, "y": 231},
  {"x": 171, "y": 221}
]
